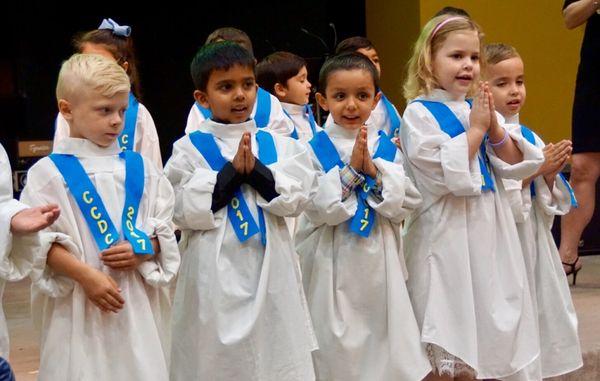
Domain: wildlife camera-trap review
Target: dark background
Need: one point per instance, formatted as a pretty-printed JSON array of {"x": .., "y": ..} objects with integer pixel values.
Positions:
[{"x": 36, "y": 38}]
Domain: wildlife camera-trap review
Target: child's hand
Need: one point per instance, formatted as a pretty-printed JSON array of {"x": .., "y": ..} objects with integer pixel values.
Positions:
[
  {"x": 249, "y": 159},
  {"x": 556, "y": 156},
  {"x": 121, "y": 257},
  {"x": 368, "y": 167},
  {"x": 239, "y": 160},
  {"x": 35, "y": 219},
  {"x": 480, "y": 117},
  {"x": 357, "y": 158},
  {"x": 102, "y": 290}
]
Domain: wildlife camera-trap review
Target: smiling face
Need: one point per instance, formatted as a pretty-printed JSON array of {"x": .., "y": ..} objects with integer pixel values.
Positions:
[
  {"x": 350, "y": 97},
  {"x": 456, "y": 62},
  {"x": 229, "y": 94},
  {"x": 507, "y": 82},
  {"x": 95, "y": 117}
]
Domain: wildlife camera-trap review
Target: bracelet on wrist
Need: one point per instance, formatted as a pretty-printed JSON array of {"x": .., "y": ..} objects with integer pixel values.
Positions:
[{"x": 501, "y": 142}]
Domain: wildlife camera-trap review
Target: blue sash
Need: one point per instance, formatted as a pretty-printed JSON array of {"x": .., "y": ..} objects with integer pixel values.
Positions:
[
  {"x": 93, "y": 209},
  {"x": 238, "y": 212},
  {"x": 450, "y": 124},
  {"x": 263, "y": 108},
  {"x": 311, "y": 121},
  {"x": 392, "y": 115},
  {"x": 529, "y": 136},
  {"x": 206, "y": 113},
  {"x": 364, "y": 219},
  {"x": 127, "y": 137}
]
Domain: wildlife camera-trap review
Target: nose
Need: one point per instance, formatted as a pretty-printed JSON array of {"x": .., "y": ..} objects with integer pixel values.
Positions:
[
  {"x": 467, "y": 63},
  {"x": 117, "y": 119},
  {"x": 239, "y": 93},
  {"x": 513, "y": 89},
  {"x": 308, "y": 84},
  {"x": 351, "y": 104}
]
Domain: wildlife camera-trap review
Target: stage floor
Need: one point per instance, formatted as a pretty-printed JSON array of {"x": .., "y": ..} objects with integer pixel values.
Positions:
[{"x": 24, "y": 352}]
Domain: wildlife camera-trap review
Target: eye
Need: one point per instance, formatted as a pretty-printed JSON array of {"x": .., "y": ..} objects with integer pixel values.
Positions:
[
  {"x": 456, "y": 56},
  {"x": 225, "y": 87},
  {"x": 475, "y": 58},
  {"x": 520, "y": 82},
  {"x": 248, "y": 84},
  {"x": 339, "y": 96},
  {"x": 363, "y": 96},
  {"x": 501, "y": 84}
]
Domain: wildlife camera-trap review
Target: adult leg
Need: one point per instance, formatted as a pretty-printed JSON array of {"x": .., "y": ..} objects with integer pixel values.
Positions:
[{"x": 584, "y": 174}]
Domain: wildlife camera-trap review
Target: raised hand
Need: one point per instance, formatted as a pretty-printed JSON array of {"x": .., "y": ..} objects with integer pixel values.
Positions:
[
  {"x": 357, "y": 158},
  {"x": 239, "y": 160},
  {"x": 368, "y": 167},
  {"x": 480, "y": 117},
  {"x": 556, "y": 156},
  {"x": 249, "y": 158},
  {"x": 31, "y": 220}
]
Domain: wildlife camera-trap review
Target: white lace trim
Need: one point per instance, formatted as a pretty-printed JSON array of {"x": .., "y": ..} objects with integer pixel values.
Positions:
[{"x": 446, "y": 364}]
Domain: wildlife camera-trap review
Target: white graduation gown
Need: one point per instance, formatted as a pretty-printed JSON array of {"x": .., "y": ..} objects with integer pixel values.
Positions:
[
  {"x": 146, "y": 138},
  {"x": 355, "y": 286},
  {"x": 379, "y": 118},
  {"x": 238, "y": 310},
  {"x": 78, "y": 340},
  {"x": 278, "y": 123},
  {"x": 557, "y": 321},
  {"x": 467, "y": 277},
  {"x": 301, "y": 122},
  {"x": 14, "y": 264}
]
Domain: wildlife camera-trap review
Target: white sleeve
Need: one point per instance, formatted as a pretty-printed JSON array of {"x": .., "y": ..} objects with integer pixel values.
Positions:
[
  {"x": 61, "y": 130},
  {"x": 440, "y": 164},
  {"x": 14, "y": 265},
  {"x": 162, "y": 269},
  {"x": 279, "y": 123},
  {"x": 193, "y": 183},
  {"x": 149, "y": 143},
  {"x": 518, "y": 197},
  {"x": 194, "y": 119},
  {"x": 399, "y": 195},
  {"x": 42, "y": 275},
  {"x": 294, "y": 177},
  {"x": 533, "y": 157},
  {"x": 553, "y": 203}
]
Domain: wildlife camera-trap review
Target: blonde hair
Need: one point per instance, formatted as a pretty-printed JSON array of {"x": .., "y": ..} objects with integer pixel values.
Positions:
[
  {"x": 420, "y": 79},
  {"x": 495, "y": 53},
  {"x": 91, "y": 71}
]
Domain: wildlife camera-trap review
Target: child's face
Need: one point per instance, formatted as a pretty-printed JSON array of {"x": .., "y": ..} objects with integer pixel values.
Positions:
[
  {"x": 296, "y": 90},
  {"x": 350, "y": 97},
  {"x": 371, "y": 54},
  {"x": 456, "y": 62},
  {"x": 95, "y": 117},
  {"x": 230, "y": 94},
  {"x": 507, "y": 82}
]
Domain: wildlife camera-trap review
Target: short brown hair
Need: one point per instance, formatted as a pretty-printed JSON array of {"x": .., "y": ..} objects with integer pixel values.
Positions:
[
  {"x": 230, "y": 34},
  {"x": 278, "y": 67},
  {"x": 352, "y": 44},
  {"x": 495, "y": 53}
]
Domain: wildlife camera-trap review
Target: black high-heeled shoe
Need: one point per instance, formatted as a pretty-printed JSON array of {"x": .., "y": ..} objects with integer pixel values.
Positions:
[{"x": 572, "y": 270}]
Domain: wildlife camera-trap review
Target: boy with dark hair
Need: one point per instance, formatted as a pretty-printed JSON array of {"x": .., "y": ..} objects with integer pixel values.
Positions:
[
  {"x": 284, "y": 75},
  {"x": 239, "y": 309},
  {"x": 266, "y": 111}
]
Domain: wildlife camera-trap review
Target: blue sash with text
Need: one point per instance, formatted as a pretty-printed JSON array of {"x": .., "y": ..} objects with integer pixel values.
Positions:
[
  {"x": 238, "y": 212},
  {"x": 91, "y": 206},
  {"x": 127, "y": 137},
  {"x": 364, "y": 219}
]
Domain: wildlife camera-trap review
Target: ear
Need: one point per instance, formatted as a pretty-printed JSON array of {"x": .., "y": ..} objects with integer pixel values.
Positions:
[
  {"x": 202, "y": 98},
  {"x": 64, "y": 107},
  {"x": 322, "y": 101},
  {"x": 377, "y": 99},
  {"x": 280, "y": 90}
]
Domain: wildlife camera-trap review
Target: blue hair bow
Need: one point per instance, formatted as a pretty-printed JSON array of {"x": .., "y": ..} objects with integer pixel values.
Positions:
[{"x": 119, "y": 30}]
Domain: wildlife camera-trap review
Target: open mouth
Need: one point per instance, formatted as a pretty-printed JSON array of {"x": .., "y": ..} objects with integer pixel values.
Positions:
[
  {"x": 351, "y": 118},
  {"x": 464, "y": 78},
  {"x": 515, "y": 103},
  {"x": 239, "y": 109}
]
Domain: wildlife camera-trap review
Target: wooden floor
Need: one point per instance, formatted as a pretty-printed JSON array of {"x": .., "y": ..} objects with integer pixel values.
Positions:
[{"x": 24, "y": 351}]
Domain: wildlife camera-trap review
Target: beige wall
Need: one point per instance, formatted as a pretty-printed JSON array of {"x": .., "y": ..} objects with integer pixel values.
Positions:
[{"x": 534, "y": 27}]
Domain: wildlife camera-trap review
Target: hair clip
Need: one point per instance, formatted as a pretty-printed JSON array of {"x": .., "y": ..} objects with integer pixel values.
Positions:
[{"x": 119, "y": 30}]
